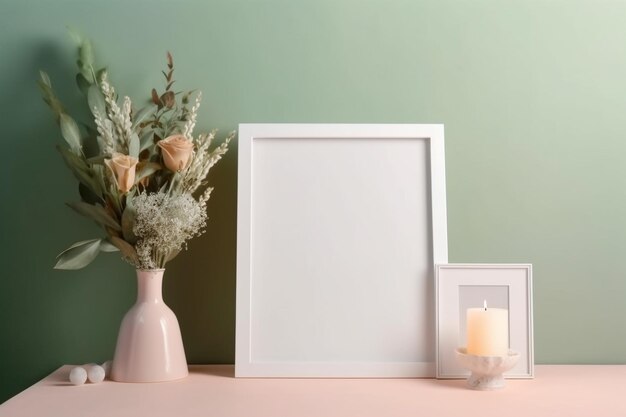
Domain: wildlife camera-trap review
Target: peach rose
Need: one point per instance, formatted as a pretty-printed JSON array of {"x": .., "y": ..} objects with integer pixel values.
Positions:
[
  {"x": 123, "y": 168},
  {"x": 176, "y": 151}
]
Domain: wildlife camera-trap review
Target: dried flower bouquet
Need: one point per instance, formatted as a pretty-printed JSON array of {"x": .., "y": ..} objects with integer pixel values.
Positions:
[{"x": 142, "y": 173}]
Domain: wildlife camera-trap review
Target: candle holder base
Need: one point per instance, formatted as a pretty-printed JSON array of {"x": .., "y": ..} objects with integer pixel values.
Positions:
[{"x": 486, "y": 371}]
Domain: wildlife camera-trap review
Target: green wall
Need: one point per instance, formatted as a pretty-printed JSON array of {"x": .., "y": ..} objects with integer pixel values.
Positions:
[{"x": 532, "y": 95}]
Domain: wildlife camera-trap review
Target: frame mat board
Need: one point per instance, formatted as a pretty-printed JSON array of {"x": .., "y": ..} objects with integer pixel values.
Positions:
[
  {"x": 510, "y": 285},
  {"x": 339, "y": 229}
]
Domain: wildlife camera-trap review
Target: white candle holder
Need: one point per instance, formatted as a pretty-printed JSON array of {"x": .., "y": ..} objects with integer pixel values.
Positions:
[{"x": 486, "y": 371}]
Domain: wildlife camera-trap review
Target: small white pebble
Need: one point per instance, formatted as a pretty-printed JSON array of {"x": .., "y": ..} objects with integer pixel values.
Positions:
[
  {"x": 95, "y": 374},
  {"x": 107, "y": 368},
  {"x": 78, "y": 375}
]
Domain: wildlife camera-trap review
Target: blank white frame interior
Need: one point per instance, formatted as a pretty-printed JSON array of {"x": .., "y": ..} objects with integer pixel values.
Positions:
[
  {"x": 461, "y": 286},
  {"x": 339, "y": 228}
]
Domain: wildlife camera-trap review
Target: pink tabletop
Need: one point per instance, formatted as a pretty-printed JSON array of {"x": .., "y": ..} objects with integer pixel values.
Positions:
[{"x": 211, "y": 390}]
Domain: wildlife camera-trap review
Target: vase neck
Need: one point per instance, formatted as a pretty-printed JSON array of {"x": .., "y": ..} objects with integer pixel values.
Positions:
[{"x": 149, "y": 286}]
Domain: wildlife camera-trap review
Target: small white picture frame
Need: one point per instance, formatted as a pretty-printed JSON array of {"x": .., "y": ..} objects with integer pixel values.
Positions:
[
  {"x": 339, "y": 230},
  {"x": 462, "y": 286}
]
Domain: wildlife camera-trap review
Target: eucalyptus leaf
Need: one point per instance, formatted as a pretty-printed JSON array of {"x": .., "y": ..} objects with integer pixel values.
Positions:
[
  {"x": 97, "y": 105},
  {"x": 96, "y": 213},
  {"x": 98, "y": 160},
  {"x": 100, "y": 73},
  {"x": 106, "y": 246},
  {"x": 155, "y": 99},
  {"x": 48, "y": 94},
  {"x": 85, "y": 70},
  {"x": 45, "y": 78},
  {"x": 83, "y": 83},
  {"x": 91, "y": 131},
  {"x": 78, "y": 255},
  {"x": 147, "y": 140},
  {"x": 70, "y": 132},
  {"x": 74, "y": 162},
  {"x": 101, "y": 143},
  {"x": 91, "y": 148},
  {"x": 128, "y": 251},
  {"x": 128, "y": 222},
  {"x": 74, "y": 34},
  {"x": 133, "y": 145},
  {"x": 85, "y": 60},
  {"x": 168, "y": 99},
  {"x": 141, "y": 115},
  {"x": 86, "y": 53},
  {"x": 79, "y": 168},
  {"x": 89, "y": 196},
  {"x": 148, "y": 169},
  {"x": 113, "y": 190},
  {"x": 186, "y": 96},
  {"x": 130, "y": 195}
]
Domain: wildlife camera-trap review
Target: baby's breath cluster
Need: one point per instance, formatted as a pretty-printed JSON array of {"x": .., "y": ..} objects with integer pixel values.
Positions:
[{"x": 163, "y": 225}]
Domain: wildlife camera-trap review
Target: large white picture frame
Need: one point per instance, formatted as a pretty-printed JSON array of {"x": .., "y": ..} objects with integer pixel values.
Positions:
[
  {"x": 462, "y": 286},
  {"x": 339, "y": 229}
]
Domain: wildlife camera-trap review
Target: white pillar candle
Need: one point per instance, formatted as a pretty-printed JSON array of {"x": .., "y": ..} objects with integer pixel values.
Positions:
[{"x": 487, "y": 331}]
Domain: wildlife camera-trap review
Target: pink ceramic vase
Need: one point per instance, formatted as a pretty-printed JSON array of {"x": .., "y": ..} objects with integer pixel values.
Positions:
[{"x": 149, "y": 344}]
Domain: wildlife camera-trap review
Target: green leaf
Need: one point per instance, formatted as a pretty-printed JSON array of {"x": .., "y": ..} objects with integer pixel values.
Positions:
[
  {"x": 148, "y": 169},
  {"x": 186, "y": 96},
  {"x": 128, "y": 222},
  {"x": 97, "y": 105},
  {"x": 101, "y": 73},
  {"x": 133, "y": 145},
  {"x": 80, "y": 169},
  {"x": 98, "y": 159},
  {"x": 168, "y": 99},
  {"x": 48, "y": 94},
  {"x": 74, "y": 34},
  {"x": 70, "y": 132},
  {"x": 45, "y": 78},
  {"x": 85, "y": 53},
  {"x": 89, "y": 196},
  {"x": 142, "y": 113},
  {"x": 92, "y": 132},
  {"x": 85, "y": 60},
  {"x": 78, "y": 255},
  {"x": 147, "y": 140},
  {"x": 83, "y": 83},
  {"x": 128, "y": 251},
  {"x": 96, "y": 213},
  {"x": 106, "y": 246},
  {"x": 155, "y": 99},
  {"x": 85, "y": 70}
]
